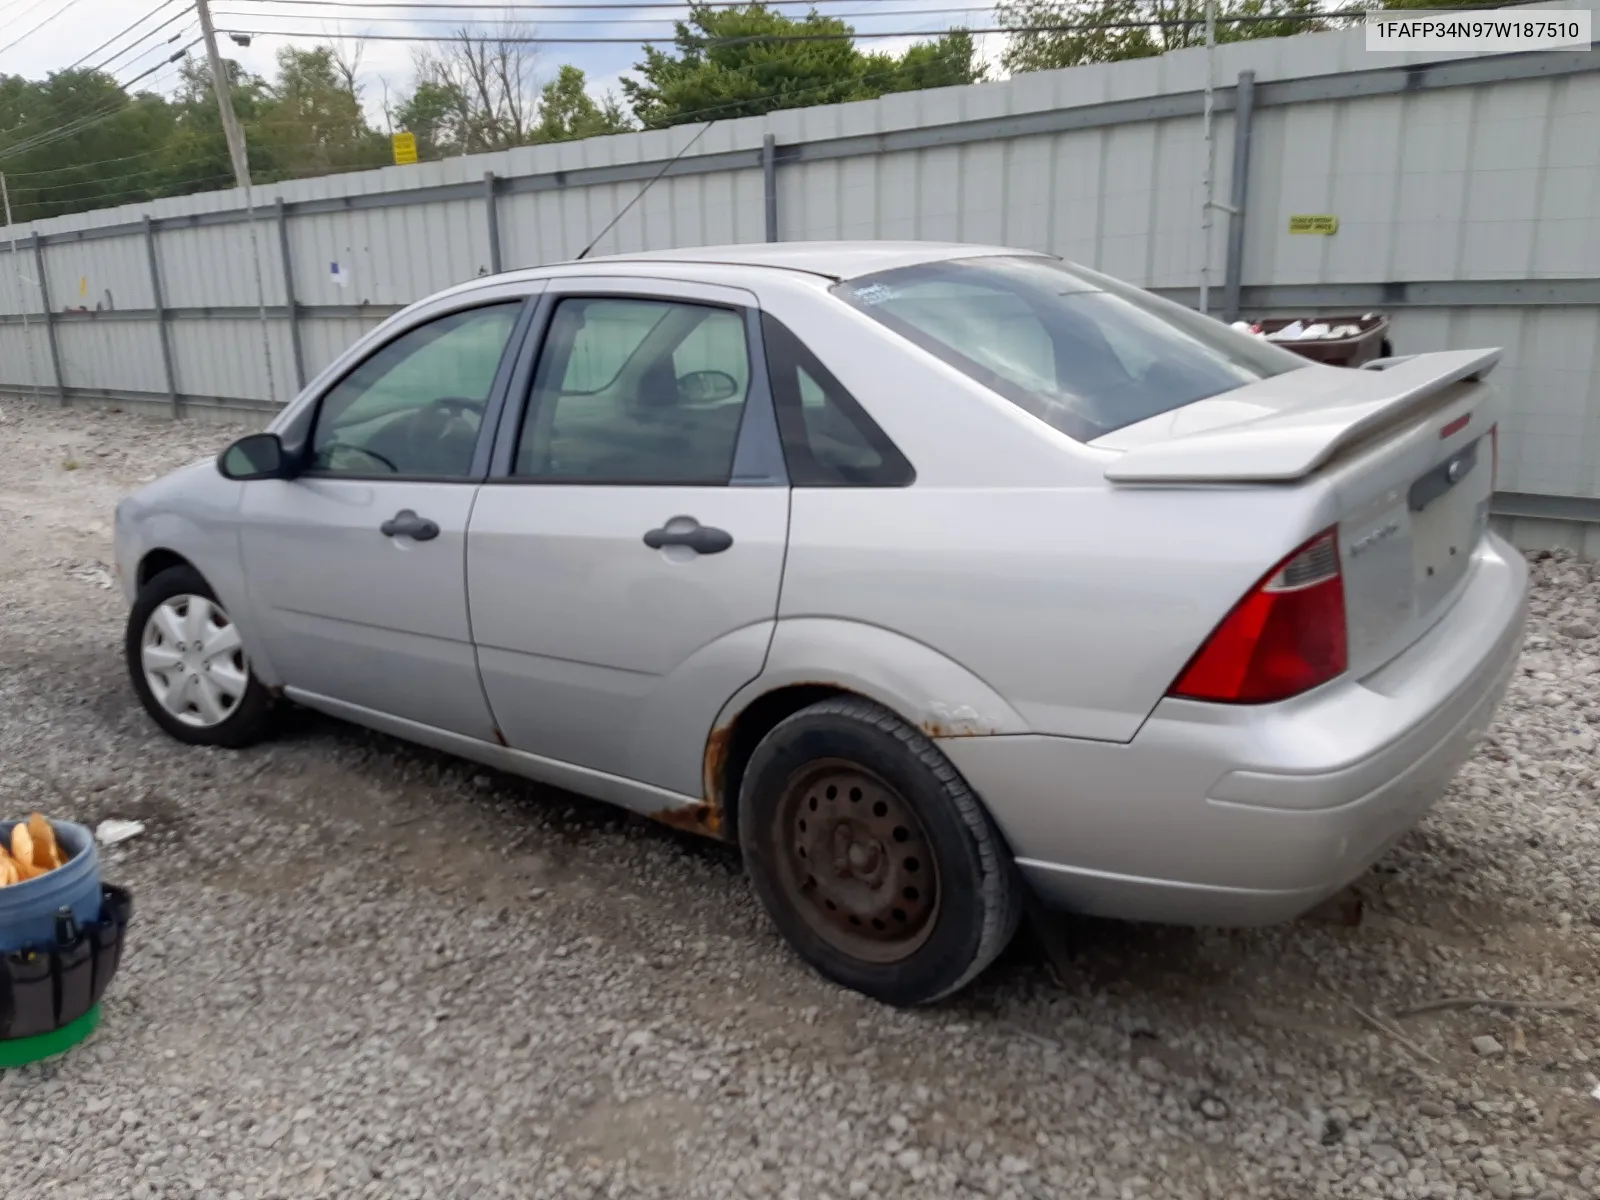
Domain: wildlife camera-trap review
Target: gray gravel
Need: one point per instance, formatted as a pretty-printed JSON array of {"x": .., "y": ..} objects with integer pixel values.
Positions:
[{"x": 362, "y": 969}]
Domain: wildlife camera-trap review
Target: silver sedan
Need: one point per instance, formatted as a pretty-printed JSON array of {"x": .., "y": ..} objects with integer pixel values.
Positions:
[{"x": 927, "y": 574}]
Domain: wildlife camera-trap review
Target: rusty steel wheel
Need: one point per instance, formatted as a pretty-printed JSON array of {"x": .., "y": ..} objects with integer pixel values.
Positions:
[
  {"x": 856, "y": 857},
  {"x": 872, "y": 856}
]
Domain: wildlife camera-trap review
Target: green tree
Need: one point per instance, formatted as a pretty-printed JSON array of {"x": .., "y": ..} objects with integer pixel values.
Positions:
[
  {"x": 436, "y": 112},
  {"x": 731, "y": 63},
  {"x": 948, "y": 62},
  {"x": 197, "y": 152},
  {"x": 77, "y": 140},
  {"x": 476, "y": 91},
  {"x": 1110, "y": 30},
  {"x": 568, "y": 112},
  {"x": 310, "y": 118}
]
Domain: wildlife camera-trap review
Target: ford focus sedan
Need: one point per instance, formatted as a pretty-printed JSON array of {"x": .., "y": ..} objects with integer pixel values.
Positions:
[{"x": 927, "y": 574}]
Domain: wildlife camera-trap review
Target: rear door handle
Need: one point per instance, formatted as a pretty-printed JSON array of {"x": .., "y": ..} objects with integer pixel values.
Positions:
[
  {"x": 702, "y": 539},
  {"x": 406, "y": 523}
]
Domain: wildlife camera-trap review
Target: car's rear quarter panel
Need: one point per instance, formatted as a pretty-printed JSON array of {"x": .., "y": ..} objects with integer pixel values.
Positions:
[{"x": 1078, "y": 606}]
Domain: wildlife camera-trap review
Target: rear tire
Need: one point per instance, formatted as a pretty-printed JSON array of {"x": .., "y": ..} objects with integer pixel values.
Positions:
[
  {"x": 872, "y": 856},
  {"x": 187, "y": 666}
]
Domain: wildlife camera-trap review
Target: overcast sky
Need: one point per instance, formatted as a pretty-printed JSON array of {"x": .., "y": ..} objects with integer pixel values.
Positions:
[{"x": 70, "y": 30}]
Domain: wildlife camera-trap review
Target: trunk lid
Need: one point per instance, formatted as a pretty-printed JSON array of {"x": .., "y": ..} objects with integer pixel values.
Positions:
[{"x": 1403, "y": 449}]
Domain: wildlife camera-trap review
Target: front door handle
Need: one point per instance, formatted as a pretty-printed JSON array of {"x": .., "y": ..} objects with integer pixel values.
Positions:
[
  {"x": 406, "y": 523},
  {"x": 702, "y": 539}
]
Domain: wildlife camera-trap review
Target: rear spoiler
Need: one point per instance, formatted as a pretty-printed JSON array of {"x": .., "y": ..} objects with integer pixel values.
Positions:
[{"x": 1295, "y": 441}]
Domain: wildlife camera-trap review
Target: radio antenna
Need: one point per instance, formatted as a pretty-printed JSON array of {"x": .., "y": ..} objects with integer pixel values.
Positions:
[{"x": 665, "y": 167}]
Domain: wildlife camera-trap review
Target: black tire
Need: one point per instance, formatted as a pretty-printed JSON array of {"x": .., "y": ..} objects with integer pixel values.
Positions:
[
  {"x": 816, "y": 860},
  {"x": 250, "y": 716}
]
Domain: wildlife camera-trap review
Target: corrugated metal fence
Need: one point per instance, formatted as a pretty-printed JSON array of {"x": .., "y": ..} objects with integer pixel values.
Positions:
[{"x": 1465, "y": 190}]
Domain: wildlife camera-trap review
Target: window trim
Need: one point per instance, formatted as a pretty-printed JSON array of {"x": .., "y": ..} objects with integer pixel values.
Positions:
[
  {"x": 757, "y": 452},
  {"x": 307, "y": 418},
  {"x": 895, "y": 469}
]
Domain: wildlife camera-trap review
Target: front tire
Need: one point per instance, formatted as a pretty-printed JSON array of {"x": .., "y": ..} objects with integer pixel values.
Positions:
[
  {"x": 872, "y": 856},
  {"x": 188, "y": 667}
]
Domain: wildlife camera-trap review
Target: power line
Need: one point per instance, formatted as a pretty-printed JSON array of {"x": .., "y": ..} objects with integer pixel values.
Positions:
[
  {"x": 532, "y": 40},
  {"x": 680, "y": 118},
  {"x": 782, "y": 38},
  {"x": 105, "y": 63},
  {"x": 25, "y": 36},
  {"x": 120, "y": 33},
  {"x": 139, "y": 191},
  {"x": 39, "y": 189},
  {"x": 100, "y": 162},
  {"x": 698, "y": 113},
  {"x": 29, "y": 141},
  {"x": 28, "y": 132},
  {"x": 55, "y": 135},
  {"x": 10, "y": 4},
  {"x": 676, "y": 119},
  {"x": 679, "y": 5},
  {"x": 607, "y": 21},
  {"x": 158, "y": 47}
]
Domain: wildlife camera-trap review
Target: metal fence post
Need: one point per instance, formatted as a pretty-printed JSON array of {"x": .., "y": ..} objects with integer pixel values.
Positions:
[
  {"x": 161, "y": 316},
  {"x": 769, "y": 183},
  {"x": 49, "y": 320},
  {"x": 289, "y": 304},
  {"x": 1244, "y": 110},
  {"x": 492, "y": 214}
]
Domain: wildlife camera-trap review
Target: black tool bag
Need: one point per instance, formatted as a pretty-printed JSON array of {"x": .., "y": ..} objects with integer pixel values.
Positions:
[{"x": 43, "y": 988}]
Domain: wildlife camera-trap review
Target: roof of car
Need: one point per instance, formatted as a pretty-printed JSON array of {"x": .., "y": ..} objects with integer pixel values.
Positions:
[{"x": 833, "y": 260}]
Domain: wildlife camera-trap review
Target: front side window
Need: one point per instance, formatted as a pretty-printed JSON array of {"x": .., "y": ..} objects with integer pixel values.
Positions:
[
  {"x": 1082, "y": 352},
  {"x": 413, "y": 409},
  {"x": 635, "y": 391}
]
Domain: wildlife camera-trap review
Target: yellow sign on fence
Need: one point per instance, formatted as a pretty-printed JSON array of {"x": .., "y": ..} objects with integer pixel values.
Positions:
[
  {"x": 1324, "y": 223},
  {"x": 405, "y": 148}
]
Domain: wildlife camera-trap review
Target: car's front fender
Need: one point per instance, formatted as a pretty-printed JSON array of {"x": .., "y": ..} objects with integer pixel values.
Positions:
[{"x": 193, "y": 514}]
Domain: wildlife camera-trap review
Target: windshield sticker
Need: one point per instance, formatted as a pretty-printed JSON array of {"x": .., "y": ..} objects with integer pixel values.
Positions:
[{"x": 876, "y": 293}]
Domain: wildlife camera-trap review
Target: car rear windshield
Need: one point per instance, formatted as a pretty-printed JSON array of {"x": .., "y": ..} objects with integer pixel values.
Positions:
[{"x": 1081, "y": 351}]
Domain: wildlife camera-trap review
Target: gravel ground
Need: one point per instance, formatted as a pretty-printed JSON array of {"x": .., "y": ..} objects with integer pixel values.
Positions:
[{"x": 363, "y": 969}]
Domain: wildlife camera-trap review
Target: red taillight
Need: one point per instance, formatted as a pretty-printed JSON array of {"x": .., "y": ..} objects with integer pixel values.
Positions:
[{"x": 1286, "y": 637}]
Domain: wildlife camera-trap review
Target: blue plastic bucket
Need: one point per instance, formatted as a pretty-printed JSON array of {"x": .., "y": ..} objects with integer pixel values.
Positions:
[{"x": 28, "y": 909}]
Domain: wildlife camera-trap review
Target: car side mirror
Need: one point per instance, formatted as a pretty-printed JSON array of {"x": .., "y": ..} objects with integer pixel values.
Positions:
[
  {"x": 706, "y": 387},
  {"x": 256, "y": 456}
]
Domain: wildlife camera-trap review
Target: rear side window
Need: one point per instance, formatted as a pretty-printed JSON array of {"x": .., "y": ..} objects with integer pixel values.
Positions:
[
  {"x": 1084, "y": 353},
  {"x": 828, "y": 439}
]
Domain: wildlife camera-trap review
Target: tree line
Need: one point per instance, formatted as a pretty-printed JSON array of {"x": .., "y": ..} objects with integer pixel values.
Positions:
[{"x": 79, "y": 140}]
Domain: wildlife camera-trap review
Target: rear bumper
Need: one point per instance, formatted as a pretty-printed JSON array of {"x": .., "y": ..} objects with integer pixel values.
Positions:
[{"x": 1233, "y": 815}]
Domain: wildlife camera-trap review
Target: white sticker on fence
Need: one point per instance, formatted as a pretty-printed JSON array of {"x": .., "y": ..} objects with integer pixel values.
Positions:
[
  {"x": 1501, "y": 30},
  {"x": 338, "y": 274}
]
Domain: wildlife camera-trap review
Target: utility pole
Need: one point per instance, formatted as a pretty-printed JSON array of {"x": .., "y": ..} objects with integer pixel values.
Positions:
[
  {"x": 1210, "y": 157},
  {"x": 238, "y": 154},
  {"x": 224, "y": 90},
  {"x": 22, "y": 303},
  {"x": 1209, "y": 203}
]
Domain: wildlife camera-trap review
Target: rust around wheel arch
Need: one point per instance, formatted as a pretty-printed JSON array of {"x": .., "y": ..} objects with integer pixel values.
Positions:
[
  {"x": 728, "y": 747},
  {"x": 703, "y": 819}
]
